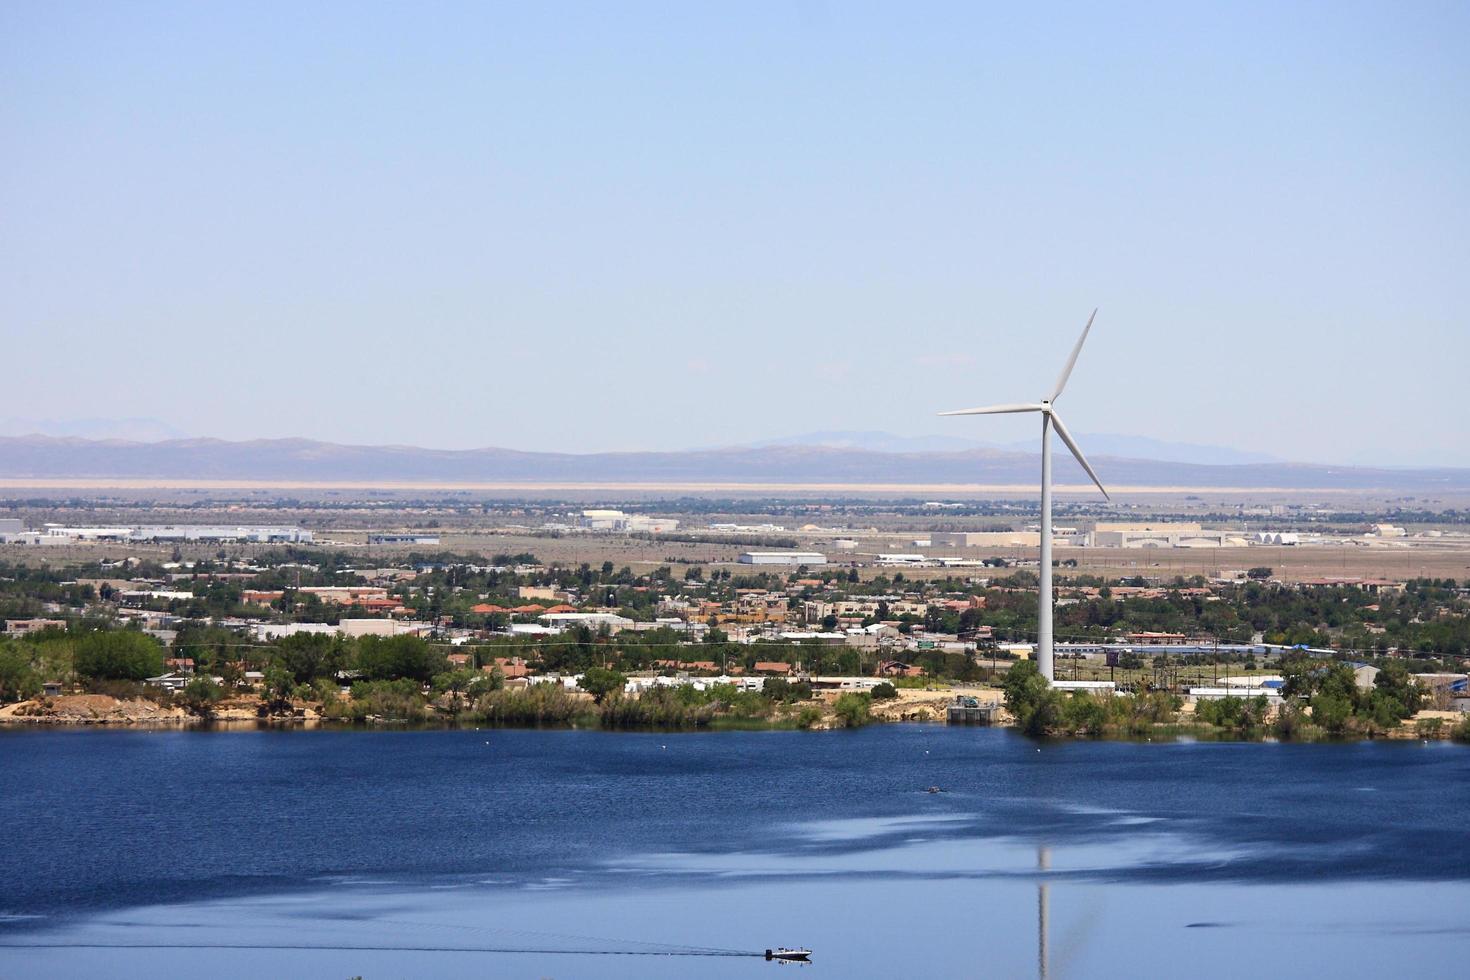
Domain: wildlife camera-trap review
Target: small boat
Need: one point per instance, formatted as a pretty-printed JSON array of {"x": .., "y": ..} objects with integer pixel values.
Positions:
[{"x": 789, "y": 955}]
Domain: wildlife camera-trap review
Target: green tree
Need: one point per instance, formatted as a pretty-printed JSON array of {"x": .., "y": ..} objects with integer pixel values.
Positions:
[
  {"x": 1396, "y": 686},
  {"x": 309, "y": 656},
  {"x": 1332, "y": 712},
  {"x": 600, "y": 682},
  {"x": 884, "y": 692},
  {"x": 119, "y": 655},
  {"x": 398, "y": 657},
  {"x": 1030, "y": 699},
  {"x": 18, "y": 680},
  {"x": 279, "y": 684}
]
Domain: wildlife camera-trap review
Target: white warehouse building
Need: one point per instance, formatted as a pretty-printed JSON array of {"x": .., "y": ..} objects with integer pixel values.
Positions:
[
  {"x": 792, "y": 558},
  {"x": 182, "y": 532}
]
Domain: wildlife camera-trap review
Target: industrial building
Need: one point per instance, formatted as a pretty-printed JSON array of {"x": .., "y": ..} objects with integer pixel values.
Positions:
[
  {"x": 1277, "y": 537},
  {"x": 1163, "y": 535},
  {"x": 985, "y": 539},
  {"x": 616, "y": 520},
  {"x": 792, "y": 558},
  {"x": 902, "y": 559},
  {"x": 180, "y": 532}
]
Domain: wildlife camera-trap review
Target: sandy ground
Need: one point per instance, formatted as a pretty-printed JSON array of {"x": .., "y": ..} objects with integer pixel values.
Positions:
[
  {"x": 916, "y": 705},
  {"x": 1288, "y": 564},
  {"x": 91, "y": 709}
]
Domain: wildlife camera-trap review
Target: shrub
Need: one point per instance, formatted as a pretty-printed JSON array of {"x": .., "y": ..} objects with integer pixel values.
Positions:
[
  {"x": 325, "y": 690},
  {"x": 1238, "y": 714},
  {"x": 884, "y": 692},
  {"x": 201, "y": 695},
  {"x": 540, "y": 704},
  {"x": 783, "y": 691},
  {"x": 1292, "y": 722},
  {"x": 1083, "y": 713},
  {"x": 400, "y": 700},
  {"x": 663, "y": 707},
  {"x": 853, "y": 709},
  {"x": 17, "y": 680},
  {"x": 123, "y": 690}
]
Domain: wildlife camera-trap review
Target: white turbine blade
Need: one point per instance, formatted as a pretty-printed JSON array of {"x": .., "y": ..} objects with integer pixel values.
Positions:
[
  {"x": 1071, "y": 361},
  {"x": 999, "y": 409},
  {"x": 1072, "y": 445}
]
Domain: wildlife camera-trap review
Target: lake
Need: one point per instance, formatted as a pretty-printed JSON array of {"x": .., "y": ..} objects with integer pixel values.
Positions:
[{"x": 590, "y": 854}]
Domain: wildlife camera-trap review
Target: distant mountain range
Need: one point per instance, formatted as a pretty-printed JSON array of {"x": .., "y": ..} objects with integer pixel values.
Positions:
[
  {"x": 1093, "y": 444},
  {"x": 136, "y": 429},
  {"x": 47, "y": 457}
]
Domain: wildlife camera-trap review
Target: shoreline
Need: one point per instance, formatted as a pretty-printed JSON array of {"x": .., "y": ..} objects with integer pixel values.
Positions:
[{"x": 180, "y": 720}]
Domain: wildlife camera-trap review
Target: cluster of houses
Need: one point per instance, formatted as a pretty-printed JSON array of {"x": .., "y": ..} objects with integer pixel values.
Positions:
[{"x": 892, "y": 631}]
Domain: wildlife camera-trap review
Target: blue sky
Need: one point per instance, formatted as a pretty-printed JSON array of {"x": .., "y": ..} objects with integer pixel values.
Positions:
[{"x": 599, "y": 226}]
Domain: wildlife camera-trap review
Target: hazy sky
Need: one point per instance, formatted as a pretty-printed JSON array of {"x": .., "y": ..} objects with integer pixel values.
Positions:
[{"x": 621, "y": 226}]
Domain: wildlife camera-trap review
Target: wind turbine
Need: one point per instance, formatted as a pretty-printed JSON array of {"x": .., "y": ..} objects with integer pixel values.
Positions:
[{"x": 1049, "y": 420}]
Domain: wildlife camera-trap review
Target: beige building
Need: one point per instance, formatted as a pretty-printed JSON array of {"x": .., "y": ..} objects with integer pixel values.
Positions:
[
  {"x": 346, "y": 595},
  {"x": 378, "y": 627},
  {"x": 985, "y": 539},
  {"x": 1162, "y": 535}
]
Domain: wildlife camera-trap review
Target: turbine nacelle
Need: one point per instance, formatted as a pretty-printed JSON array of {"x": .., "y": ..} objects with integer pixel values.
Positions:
[{"x": 1046, "y": 408}]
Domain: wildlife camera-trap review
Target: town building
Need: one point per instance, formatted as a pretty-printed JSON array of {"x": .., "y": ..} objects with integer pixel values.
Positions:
[{"x": 20, "y": 627}]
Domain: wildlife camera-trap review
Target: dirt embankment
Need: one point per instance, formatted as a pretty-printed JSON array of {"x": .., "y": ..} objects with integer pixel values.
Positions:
[
  {"x": 92, "y": 709},
  {"x": 103, "y": 709},
  {"x": 916, "y": 705}
]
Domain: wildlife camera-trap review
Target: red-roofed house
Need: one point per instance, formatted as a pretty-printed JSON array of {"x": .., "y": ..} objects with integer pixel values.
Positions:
[{"x": 510, "y": 667}]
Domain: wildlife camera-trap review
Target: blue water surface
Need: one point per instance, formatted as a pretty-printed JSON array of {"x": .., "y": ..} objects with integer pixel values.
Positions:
[{"x": 323, "y": 853}]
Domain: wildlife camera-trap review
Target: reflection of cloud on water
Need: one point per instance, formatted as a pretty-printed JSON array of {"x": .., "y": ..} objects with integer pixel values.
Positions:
[
  {"x": 871, "y": 828},
  {"x": 947, "y": 849}
]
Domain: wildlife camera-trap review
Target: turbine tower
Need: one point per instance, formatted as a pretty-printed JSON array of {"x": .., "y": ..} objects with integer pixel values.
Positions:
[{"x": 1049, "y": 420}]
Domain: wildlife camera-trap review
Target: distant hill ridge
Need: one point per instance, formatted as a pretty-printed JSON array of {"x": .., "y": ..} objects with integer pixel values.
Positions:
[{"x": 43, "y": 457}]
